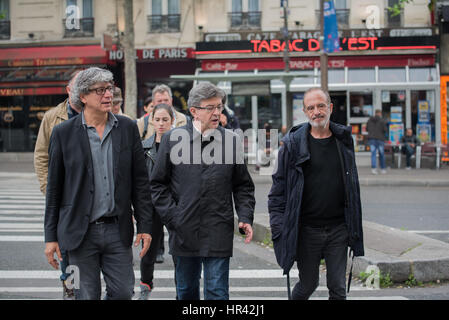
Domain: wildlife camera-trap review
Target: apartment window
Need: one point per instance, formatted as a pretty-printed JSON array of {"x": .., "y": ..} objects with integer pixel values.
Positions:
[
  {"x": 392, "y": 21},
  {"x": 164, "y": 16},
  {"x": 341, "y": 11},
  {"x": 79, "y": 20},
  {"x": 5, "y": 24},
  {"x": 245, "y": 14}
]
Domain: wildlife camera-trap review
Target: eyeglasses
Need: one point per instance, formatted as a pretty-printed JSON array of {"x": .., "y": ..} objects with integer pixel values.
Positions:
[
  {"x": 320, "y": 107},
  {"x": 102, "y": 90},
  {"x": 210, "y": 109}
]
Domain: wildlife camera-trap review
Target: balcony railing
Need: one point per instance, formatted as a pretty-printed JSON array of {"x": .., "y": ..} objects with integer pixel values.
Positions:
[
  {"x": 164, "y": 23},
  {"x": 5, "y": 29},
  {"x": 76, "y": 28},
  {"x": 342, "y": 18},
  {"x": 244, "y": 20},
  {"x": 393, "y": 22}
]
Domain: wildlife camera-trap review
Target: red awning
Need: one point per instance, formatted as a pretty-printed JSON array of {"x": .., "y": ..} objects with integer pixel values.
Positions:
[{"x": 52, "y": 56}]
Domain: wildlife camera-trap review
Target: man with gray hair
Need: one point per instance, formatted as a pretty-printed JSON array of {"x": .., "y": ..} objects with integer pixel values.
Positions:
[
  {"x": 160, "y": 94},
  {"x": 96, "y": 172},
  {"x": 194, "y": 197}
]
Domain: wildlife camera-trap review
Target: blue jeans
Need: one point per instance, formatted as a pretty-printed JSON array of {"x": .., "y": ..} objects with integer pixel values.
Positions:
[
  {"x": 64, "y": 264},
  {"x": 216, "y": 278},
  {"x": 377, "y": 145}
]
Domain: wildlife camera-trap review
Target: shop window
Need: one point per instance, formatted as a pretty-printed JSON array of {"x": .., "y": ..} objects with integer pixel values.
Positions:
[
  {"x": 308, "y": 79},
  {"x": 423, "y": 74},
  {"x": 244, "y": 14},
  {"x": 5, "y": 23},
  {"x": 164, "y": 16},
  {"x": 336, "y": 75},
  {"x": 361, "y": 107},
  {"x": 361, "y": 75},
  {"x": 79, "y": 21},
  {"x": 393, "y": 111},
  {"x": 423, "y": 114},
  {"x": 392, "y": 75},
  {"x": 361, "y": 104}
]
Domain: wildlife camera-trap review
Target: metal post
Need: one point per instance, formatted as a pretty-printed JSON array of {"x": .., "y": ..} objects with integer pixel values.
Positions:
[
  {"x": 288, "y": 94},
  {"x": 323, "y": 54}
]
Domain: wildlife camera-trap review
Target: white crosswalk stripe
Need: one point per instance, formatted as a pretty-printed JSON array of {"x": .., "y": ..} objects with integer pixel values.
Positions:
[{"x": 21, "y": 223}]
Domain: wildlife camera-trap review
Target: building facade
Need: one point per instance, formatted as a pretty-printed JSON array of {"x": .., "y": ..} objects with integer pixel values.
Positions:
[{"x": 386, "y": 62}]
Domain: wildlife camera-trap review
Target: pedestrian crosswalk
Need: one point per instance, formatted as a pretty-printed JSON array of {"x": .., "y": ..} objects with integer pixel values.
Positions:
[{"x": 25, "y": 274}]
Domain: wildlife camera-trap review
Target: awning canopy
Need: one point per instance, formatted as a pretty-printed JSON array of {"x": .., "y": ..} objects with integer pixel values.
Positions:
[{"x": 52, "y": 56}]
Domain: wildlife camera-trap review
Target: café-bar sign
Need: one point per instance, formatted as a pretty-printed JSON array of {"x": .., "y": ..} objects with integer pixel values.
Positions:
[{"x": 313, "y": 45}]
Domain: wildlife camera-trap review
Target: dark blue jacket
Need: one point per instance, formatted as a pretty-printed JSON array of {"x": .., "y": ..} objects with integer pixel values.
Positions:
[{"x": 284, "y": 199}]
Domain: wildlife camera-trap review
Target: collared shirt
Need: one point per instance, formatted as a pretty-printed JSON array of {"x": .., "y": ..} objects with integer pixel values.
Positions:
[
  {"x": 101, "y": 151},
  {"x": 70, "y": 111}
]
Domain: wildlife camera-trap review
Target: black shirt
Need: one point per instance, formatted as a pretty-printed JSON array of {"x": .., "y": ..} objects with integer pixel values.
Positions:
[{"x": 323, "y": 196}]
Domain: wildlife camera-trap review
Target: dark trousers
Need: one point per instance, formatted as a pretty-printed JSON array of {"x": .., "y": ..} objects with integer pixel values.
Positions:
[
  {"x": 103, "y": 251},
  {"x": 316, "y": 243},
  {"x": 148, "y": 260},
  {"x": 409, "y": 152}
]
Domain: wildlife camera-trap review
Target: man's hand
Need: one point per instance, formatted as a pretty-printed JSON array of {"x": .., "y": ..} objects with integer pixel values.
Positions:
[
  {"x": 50, "y": 249},
  {"x": 248, "y": 230},
  {"x": 146, "y": 238}
]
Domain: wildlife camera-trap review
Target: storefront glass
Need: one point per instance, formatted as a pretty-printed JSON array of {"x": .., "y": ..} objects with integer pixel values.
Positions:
[
  {"x": 361, "y": 75},
  {"x": 423, "y": 74},
  {"x": 392, "y": 75},
  {"x": 361, "y": 104},
  {"x": 20, "y": 118},
  {"x": 423, "y": 114}
]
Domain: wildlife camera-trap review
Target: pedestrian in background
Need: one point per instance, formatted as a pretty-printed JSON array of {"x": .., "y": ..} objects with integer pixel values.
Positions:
[
  {"x": 314, "y": 202},
  {"x": 117, "y": 103},
  {"x": 409, "y": 142},
  {"x": 96, "y": 173},
  {"x": 195, "y": 198},
  {"x": 62, "y": 112},
  {"x": 143, "y": 121},
  {"x": 162, "y": 118},
  {"x": 377, "y": 133},
  {"x": 162, "y": 94}
]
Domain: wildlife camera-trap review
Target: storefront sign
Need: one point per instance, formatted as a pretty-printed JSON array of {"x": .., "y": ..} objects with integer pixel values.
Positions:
[
  {"x": 32, "y": 91},
  {"x": 313, "y": 45},
  {"x": 308, "y": 63},
  {"x": 155, "y": 54}
]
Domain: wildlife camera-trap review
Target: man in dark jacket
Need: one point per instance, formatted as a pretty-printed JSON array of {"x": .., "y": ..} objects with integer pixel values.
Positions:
[
  {"x": 409, "y": 143},
  {"x": 377, "y": 132},
  {"x": 193, "y": 184},
  {"x": 314, "y": 202},
  {"x": 96, "y": 172}
]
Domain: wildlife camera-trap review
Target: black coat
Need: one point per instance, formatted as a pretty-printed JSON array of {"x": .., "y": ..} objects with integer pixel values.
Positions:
[
  {"x": 70, "y": 188},
  {"x": 284, "y": 199},
  {"x": 195, "y": 199}
]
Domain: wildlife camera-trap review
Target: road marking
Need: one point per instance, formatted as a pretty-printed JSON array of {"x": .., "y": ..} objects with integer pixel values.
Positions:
[
  {"x": 428, "y": 231},
  {"x": 22, "y": 218},
  {"x": 158, "y": 274},
  {"x": 20, "y": 225},
  {"x": 22, "y": 239}
]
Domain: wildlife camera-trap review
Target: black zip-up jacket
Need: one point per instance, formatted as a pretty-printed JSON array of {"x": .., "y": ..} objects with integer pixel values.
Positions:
[
  {"x": 284, "y": 199},
  {"x": 195, "y": 198}
]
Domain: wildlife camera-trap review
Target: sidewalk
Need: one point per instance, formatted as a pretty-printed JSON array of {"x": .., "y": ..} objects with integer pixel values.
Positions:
[{"x": 396, "y": 252}]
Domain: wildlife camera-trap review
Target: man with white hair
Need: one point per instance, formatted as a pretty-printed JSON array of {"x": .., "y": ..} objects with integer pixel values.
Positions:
[{"x": 96, "y": 173}]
